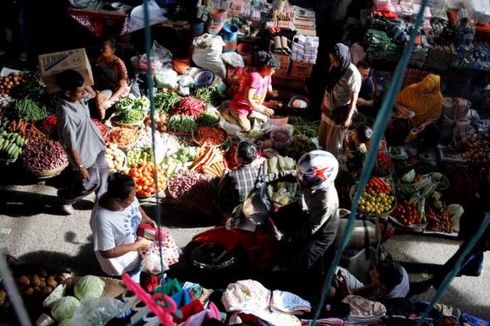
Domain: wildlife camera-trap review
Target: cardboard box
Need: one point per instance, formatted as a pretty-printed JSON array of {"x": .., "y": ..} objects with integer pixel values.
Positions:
[
  {"x": 284, "y": 60},
  {"x": 281, "y": 73},
  {"x": 51, "y": 64},
  {"x": 300, "y": 70}
]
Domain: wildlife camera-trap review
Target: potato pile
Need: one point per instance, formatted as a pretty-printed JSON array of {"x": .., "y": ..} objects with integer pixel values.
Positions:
[{"x": 40, "y": 283}]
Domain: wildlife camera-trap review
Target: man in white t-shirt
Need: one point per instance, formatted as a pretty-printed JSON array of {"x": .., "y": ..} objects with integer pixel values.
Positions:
[{"x": 115, "y": 219}]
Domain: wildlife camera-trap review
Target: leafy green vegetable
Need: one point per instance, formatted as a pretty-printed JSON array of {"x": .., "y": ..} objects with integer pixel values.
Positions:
[
  {"x": 208, "y": 119},
  {"x": 139, "y": 104},
  {"x": 64, "y": 308},
  {"x": 208, "y": 95},
  {"x": 130, "y": 116},
  {"x": 165, "y": 101},
  {"x": 181, "y": 123},
  {"x": 89, "y": 287}
]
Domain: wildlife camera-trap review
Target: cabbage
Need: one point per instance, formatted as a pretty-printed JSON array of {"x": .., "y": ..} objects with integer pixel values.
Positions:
[
  {"x": 89, "y": 287},
  {"x": 409, "y": 177},
  {"x": 455, "y": 211},
  {"x": 57, "y": 294},
  {"x": 64, "y": 308}
]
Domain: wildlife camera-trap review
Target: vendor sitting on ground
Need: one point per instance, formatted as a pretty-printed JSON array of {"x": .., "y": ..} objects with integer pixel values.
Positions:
[
  {"x": 420, "y": 104},
  {"x": 389, "y": 280},
  {"x": 357, "y": 147},
  {"x": 247, "y": 104},
  {"x": 236, "y": 185},
  {"x": 112, "y": 79},
  {"x": 115, "y": 219}
]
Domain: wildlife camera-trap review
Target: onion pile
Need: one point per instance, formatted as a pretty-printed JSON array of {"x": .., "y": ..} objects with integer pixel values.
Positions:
[
  {"x": 194, "y": 189},
  {"x": 7, "y": 83},
  {"x": 44, "y": 155}
]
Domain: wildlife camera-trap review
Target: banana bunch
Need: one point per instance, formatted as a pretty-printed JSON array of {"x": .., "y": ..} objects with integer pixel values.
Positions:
[{"x": 11, "y": 144}]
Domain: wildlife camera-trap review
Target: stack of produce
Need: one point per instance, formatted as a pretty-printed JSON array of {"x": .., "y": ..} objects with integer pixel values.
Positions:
[
  {"x": 116, "y": 159},
  {"x": 5, "y": 101},
  {"x": 139, "y": 155},
  {"x": 11, "y": 144},
  {"x": 122, "y": 137},
  {"x": 44, "y": 155},
  {"x": 210, "y": 160},
  {"x": 384, "y": 164},
  {"x": 165, "y": 101},
  {"x": 301, "y": 127},
  {"x": 377, "y": 198},
  {"x": 209, "y": 136},
  {"x": 9, "y": 82},
  {"x": 382, "y": 47},
  {"x": 180, "y": 161},
  {"x": 144, "y": 178},
  {"x": 190, "y": 107},
  {"x": 181, "y": 123},
  {"x": 194, "y": 189},
  {"x": 160, "y": 122},
  {"x": 407, "y": 214},
  {"x": 28, "y": 110},
  {"x": 414, "y": 188},
  {"x": 131, "y": 111},
  {"x": 208, "y": 95},
  {"x": 473, "y": 149},
  {"x": 280, "y": 163},
  {"x": 209, "y": 117}
]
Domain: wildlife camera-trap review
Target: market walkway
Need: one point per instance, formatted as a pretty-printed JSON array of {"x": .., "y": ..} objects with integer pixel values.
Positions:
[{"x": 38, "y": 236}]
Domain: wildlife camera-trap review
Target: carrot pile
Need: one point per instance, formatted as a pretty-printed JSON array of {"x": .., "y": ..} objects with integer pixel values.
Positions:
[
  {"x": 210, "y": 160},
  {"x": 189, "y": 106},
  {"x": 122, "y": 136},
  {"x": 26, "y": 129},
  {"x": 210, "y": 136},
  {"x": 143, "y": 175}
]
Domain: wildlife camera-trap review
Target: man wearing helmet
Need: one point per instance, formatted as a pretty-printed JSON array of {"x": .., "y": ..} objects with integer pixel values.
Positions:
[{"x": 312, "y": 221}]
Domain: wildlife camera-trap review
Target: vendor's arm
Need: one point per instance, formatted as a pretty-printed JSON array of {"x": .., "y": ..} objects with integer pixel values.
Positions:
[
  {"x": 352, "y": 108},
  {"x": 256, "y": 106},
  {"x": 145, "y": 219},
  {"x": 124, "y": 249},
  {"x": 90, "y": 91},
  {"x": 272, "y": 92}
]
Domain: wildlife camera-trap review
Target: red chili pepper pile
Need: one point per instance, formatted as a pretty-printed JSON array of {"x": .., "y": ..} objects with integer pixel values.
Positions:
[
  {"x": 210, "y": 136},
  {"x": 439, "y": 221},
  {"x": 189, "y": 106},
  {"x": 378, "y": 185}
]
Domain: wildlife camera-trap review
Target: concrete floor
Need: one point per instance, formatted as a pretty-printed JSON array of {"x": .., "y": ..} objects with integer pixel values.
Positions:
[{"x": 39, "y": 235}]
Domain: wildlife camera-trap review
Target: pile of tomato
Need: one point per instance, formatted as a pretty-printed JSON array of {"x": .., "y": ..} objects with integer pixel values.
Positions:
[
  {"x": 143, "y": 175},
  {"x": 407, "y": 214}
]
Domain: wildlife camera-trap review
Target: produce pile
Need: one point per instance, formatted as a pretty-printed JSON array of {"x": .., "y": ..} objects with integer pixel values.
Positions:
[
  {"x": 28, "y": 110},
  {"x": 407, "y": 214},
  {"x": 189, "y": 106},
  {"x": 44, "y": 155},
  {"x": 144, "y": 178},
  {"x": 384, "y": 164},
  {"x": 194, "y": 189},
  {"x": 472, "y": 149},
  {"x": 165, "y": 101},
  {"x": 210, "y": 160},
  {"x": 122, "y": 137},
  {"x": 209, "y": 136},
  {"x": 131, "y": 111},
  {"x": 116, "y": 159},
  {"x": 10, "y": 82},
  {"x": 377, "y": 198},
  {"x": 11, "y": 144},
  {"x": 181, "y": 123}
]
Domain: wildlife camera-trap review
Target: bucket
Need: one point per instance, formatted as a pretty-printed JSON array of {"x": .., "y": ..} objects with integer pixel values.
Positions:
[
  {"x": 230, "y": 35},
  {"x": 217, "y": 18},
  {"x": 197, "y": 28},
  {"x": 246, "y": 50}
]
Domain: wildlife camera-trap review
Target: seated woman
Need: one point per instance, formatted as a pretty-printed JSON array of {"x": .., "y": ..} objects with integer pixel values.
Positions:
[
  {"x": 421, "y": 103},
  {"x": 113, "y": 78},
  {"x": 389, "y": 280},
  {"x": 115, "y": 219},
  {"x": 248, "y": 102}
]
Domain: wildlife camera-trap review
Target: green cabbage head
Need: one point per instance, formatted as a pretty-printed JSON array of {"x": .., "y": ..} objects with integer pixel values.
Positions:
[
  {"x": 89, "y": 287},
  {"x": 64, "y": 308}
]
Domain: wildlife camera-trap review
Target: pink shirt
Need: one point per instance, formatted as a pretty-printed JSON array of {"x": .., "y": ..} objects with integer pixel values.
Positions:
[{"x": 239, "y": 104}]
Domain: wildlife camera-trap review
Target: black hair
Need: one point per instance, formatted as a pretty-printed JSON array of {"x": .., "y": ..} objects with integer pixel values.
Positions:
[
  {"x": 364, "y": 64},
  {"x": 390, "y": 273},
  {"x": 120, "y": 185},
  {"x": 111, "y": 42},
  {"x": 363, "y": 133},
  {"x": 267, "y": 59},
  {"x": 247, "y": 151},
  {"x": 70, "y": 80}
]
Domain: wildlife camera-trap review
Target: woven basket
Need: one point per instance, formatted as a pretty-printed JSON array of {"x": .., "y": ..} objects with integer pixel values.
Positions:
[
  {"x": 216, "y": 145},
  {"x": 116, "y": 123},
  {"x": 49, "y": 173},
  {"x": 352, "y": 193}
]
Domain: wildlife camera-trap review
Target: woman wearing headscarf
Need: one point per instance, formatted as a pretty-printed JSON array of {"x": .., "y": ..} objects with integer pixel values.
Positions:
[
  {"x": 339, "y": 102},
  {"x": 422, "y": 101}
]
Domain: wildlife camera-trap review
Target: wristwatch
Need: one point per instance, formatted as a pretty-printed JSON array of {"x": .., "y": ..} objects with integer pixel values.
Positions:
[{"x": 81, "y": 166}]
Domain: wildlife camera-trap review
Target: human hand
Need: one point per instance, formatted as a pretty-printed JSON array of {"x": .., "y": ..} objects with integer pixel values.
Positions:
[
  {"x": 361, "y": 101},
  {"x": 347, "y": 123},
  {"x": 84, "y": 173},
  {"x": 275, "y": 93},
  {"x": 149, "y": 221},
  {"x": 143, "y": 243},
  {"x": 269, "y": 112}
]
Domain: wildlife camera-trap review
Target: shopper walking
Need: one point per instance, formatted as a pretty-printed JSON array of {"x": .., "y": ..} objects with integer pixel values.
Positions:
[
  {"x": 81, "y": 139},
  {"x": 339, "y": 102}
]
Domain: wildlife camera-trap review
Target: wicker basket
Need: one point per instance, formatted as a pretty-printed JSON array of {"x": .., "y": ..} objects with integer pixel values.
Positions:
[
  {"x": 216, "y": 145},
  {"x": 116, "y": 123},
  {"x": 352, "y": 193},
  {"x": 49, "y": 173}
]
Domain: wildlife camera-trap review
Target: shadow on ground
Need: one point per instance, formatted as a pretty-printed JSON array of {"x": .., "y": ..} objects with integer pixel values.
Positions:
[
  {"x": 15, "y": 203},
  {"x": 179, "y": 216}
]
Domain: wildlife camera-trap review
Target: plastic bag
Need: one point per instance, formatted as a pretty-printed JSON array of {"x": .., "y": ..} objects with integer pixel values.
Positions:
[
  {"x": 96, "y": 311},
  {"x": 166, "y": 78},
  {"x": 233, "y": 59},
  {"x": 151, "y": 264},
  {"x": 137, "y": 17},
  {"x": 206, "y": 53}
]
